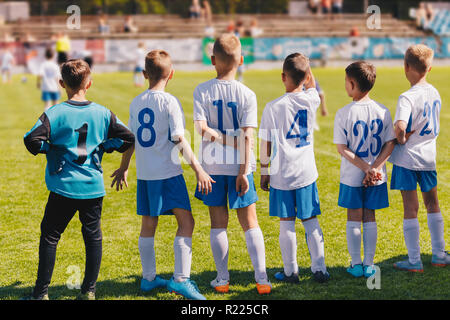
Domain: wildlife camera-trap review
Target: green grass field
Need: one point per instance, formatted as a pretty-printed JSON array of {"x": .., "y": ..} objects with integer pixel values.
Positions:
[{"x": 23, "y": 196}]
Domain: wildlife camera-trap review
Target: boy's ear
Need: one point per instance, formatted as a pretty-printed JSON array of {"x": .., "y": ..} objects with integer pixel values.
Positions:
[
  {"x": 145, "y": 74},
  {"x": 283, "y": 77},
  {"x": 89, "y": 84},
  {"x": 241, "y": 62},
  {"x": 171, "y": 74},
  {"x": 213, "y": 60},
  {"x": 61, "y": 83}
]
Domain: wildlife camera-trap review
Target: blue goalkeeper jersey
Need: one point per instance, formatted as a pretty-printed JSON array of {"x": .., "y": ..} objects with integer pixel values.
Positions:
[{"x": 74, "y": 136}]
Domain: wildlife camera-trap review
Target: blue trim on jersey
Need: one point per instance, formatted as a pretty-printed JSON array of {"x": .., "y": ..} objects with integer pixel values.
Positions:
[
  {"x": 224, "y": 187},
  {"x": 302, "y": 203},
  {"x": 406, "y": 179},
  {"x": 50, "y": 96},
  {"x": 373, "y": 198},
  {"x": 408, "y": 128},
  {"x": 159, "y": 197}
]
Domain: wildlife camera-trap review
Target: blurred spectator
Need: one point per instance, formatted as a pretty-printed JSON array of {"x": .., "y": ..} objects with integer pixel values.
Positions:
[
  {"x": 231, "y": 26},
  {"x": 206, "y": 11},
  {"x": 195, "y": 10},
  {"x": 429, "y": 11},
  {"x": 354, "y": 32},
  {"x": 6, "y": 66},
  {"x": 326, "y": 6},
  {"x": 337, "y": 6},
  {"x": 141, "y": 54},
  {"x": 62, "y": 47},
  {"x": 103, "y": 27},
  {"x": 129, "y": 26},
  {"x": 314, "y": 6},
  {"x": 7, "y": 37},
  {"x": 210, "y": 31},
  {"x": 239, "y": 30},
  {"x": 255, "y": 30}
]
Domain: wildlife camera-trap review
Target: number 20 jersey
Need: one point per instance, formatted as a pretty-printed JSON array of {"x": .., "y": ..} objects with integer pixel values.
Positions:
[
  {"x": 226, "y": 106},
  {"x": 364, "y": 127},
  {"x": 420, "y": 108}
]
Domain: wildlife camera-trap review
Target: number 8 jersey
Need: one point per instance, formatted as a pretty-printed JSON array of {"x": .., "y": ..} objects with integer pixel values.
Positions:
[
  {"x": 364, "y": 127},
  {"x": 420, "y": 108}
]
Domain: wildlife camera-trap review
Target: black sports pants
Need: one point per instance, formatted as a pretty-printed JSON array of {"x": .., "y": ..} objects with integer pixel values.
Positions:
[{"x": 58, "y": 213}]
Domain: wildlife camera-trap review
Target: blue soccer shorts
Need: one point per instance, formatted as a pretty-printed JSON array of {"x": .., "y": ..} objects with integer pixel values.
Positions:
[
  {"x": 159, "y": 197},
  {"x": 50, "y": 96},
  {"x": 302, "y": 203},
  {"x": 374, "y": 198},
  {"x": 406, "y": 179},
  {"x": 225, "y": 187}
]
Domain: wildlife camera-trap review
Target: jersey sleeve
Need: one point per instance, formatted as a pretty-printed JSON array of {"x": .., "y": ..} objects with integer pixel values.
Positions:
[
  {"x": 119, "y": 137},
  {"x": 37, "y": 139},
  {"x": 199, "y": 110},
  {"x": 176, "y": 119},
  {"x": 404, "y": 109},
  {"x": 266, "y": 125},
  {"x": 249, "y": 117},
  {"x": 340, "y": 134}
]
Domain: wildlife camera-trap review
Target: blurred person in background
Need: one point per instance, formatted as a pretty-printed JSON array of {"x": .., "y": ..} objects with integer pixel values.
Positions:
[
  {"x": 102, "y": 25},
  {"x": 337, "y": 6},
  {"x": 129, "y": 25},
  {"x": 48, "y": 80},
  {"x": 326, "y": 6},
  {"x": 231, "y": 26},
  {"x": 141, "y": 54},
  {"x": 255, "y": 30},
  {"x": 195, "y": 10},
  {"x": 8, "y": 62},
  {"x": 314, "y": 6},
  {"x": 206, "y": 11},
  {"x": 62, "y": 47}
]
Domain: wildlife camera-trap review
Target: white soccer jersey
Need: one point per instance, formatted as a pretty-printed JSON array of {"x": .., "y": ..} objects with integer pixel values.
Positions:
[
  {"x": 420, "y": 108},
  {"x": 227, "y": 106},
  {"x": 364, "y": 127},
  {"x": 141, "y": 54},
  {"x": 156, "y": 118},
  {"x": 50, "y": 74},
  {"x": 7, "y": 60},
  {"x": 288, "y": 122}
]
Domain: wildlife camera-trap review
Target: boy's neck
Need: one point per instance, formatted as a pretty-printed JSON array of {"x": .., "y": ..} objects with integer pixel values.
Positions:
[
  {"x": 79, "y": 96},
  {"x": 418, "y": 80},
  {"x": 158, "y": 86},
  {"x": 227, "y": 75},
  {"x": 360, "y": 97}
]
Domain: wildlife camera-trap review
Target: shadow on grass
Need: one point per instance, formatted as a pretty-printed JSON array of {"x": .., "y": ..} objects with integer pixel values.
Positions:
[{"x": 394, "y": 284}]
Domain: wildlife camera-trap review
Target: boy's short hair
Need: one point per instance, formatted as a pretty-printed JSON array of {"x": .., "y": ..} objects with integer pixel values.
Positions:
[
  {"x": 227, "y": 49},
  {"x": 296, "y": 66},
  {"x": 158, "y": 65},
  {"x": 364, "y": 73},
  {"x": 74, "y": 73},
  {"x": 419, "y": 57},
  {"x": 49, "y": 53}
]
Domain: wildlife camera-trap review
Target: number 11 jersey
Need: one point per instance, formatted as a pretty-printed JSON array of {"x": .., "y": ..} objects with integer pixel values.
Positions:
[{"x": 364, "y": 127}]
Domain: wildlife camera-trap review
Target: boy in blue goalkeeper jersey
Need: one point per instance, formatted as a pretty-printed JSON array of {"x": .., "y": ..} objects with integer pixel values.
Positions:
[{"x": 74, "y": 135}]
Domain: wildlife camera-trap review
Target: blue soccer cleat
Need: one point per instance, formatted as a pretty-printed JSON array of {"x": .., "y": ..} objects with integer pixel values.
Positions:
[
  {"x": 357, "y": 270},
  {"x": 440, "y": 262},
  {"x": 187, "y": 289},
  {"x": 158, "y": 282},
  {"x": 369, "y": 271},
  {"x": 281, "y": 276},
  {"x": 405, "y": 265}
]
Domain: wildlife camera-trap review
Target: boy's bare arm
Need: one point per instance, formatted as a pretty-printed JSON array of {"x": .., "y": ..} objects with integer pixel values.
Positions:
[
  {"x": 264, "y": 158},
  {"x": 384, "y": 155},
  {"x": 353, "y": 158},
  {"x": 242, "y": 184},
  {"x": 310, "y": 80},
  {"x": 214, "y": 135}
]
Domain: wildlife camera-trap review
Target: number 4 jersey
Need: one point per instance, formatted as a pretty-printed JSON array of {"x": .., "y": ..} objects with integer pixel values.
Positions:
[
  {"x": 419, "y": 107},
  {"x": 288, "y": 123},
  {"x": 156, "y": 119},
  {"x": 74, "y": 136},
  {"x": 364, "y": 127}
]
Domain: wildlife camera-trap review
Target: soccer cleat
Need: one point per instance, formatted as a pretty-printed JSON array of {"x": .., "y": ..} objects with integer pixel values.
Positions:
[
  {"x": 440, "y": 262},
  {"x": 264, "y": 287},
  {"x": 281, "y": 276},
  {"x": 187, "y": 289},
  {"x": 44, "y": 297},
  {"x": 357, "y": 270},
  {"x": 369, "y": 271},
  {"x": 86, "y": 296},
  {"x": 158, "y": 282},
  {"x": 405, "y": 265},
  {"x": 221, "y": 286},
  {"x": 321, "y": 277}
]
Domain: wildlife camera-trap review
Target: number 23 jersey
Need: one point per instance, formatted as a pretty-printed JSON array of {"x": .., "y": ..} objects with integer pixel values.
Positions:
[
  {"x": 227, "y": 106},
  {"x": 364, "y": 127},
  {"x": 420, "y": 108},
  {"x": 156, "y": 120}
]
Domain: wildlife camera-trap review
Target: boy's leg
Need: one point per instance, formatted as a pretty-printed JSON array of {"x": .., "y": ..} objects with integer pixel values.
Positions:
[
  {"x": 435, "y": 222},
  {"x": 288, "y": 245},
  {"x": 314, "y": 240},
  {"x": 370, "y": 234},
  {"x": 182, "y": 245},
  {"x": 255, "y": 241},
  {"x": 219, "y": 240},
  {"x": 90, "y": 213},
  {"x": 411, "y": 229},
  {"x": 354, "y": 218},
  {"x": 146, "y": 246},
  {"x": 58, "y": 213}
]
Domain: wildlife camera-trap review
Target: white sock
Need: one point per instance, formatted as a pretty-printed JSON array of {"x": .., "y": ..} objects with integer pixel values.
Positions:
[
  {"x": 182, "y": 248},
  {"x": 288, "y": 247},
  {"x": 436, "y": 227},
  {"x": 255, "y": 246},
  {"x": 370, "y": 242},
  {"x": 219, "y": 246},
  {"x": 314, "y": 240},
  {"x": 354, "y": 241},
  {"x": 411, "y": 232},
  {"x": 148, "y": 260}
]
